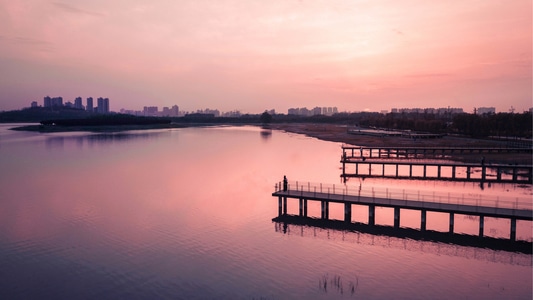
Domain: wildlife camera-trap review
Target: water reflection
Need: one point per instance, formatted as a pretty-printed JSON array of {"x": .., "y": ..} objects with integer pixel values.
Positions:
[
  {"x": 265, "y": 132},
  {"x": 61, "y": 141},
  {"x": 411, "y": 239},
  {"x": 336, "y": 285}
]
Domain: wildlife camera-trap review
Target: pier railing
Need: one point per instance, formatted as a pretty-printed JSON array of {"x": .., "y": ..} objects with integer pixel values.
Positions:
[{"x": 296, "y": 188}]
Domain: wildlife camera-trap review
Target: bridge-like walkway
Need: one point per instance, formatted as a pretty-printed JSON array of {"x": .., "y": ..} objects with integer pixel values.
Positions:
[
  {"x": 517, "y": 209},
  {"x": 417, "y": 152}
]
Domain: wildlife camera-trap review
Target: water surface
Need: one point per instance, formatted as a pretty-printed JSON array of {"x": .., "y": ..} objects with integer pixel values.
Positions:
[{"x": 187, "y": 214}]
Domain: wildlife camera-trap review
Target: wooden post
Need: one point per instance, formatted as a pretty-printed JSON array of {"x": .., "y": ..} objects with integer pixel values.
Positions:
[
  {"x": 468, "y": 172},
  {"x": 424, "y": 170},
  {"x": 423, "y": 220},
  {"x": 284, "y": 205},
  {"x": 301, "y": 206},
  {"x": 453, "y": 172},
  {"x": 481, "y": 225},
  {"x": 344, "y": 166},
  {"x": 322, "y": 209},
  {"x": 347, "y": 212},
  {"x": 396, "y": 217},
  {"x": 280, "y": 210},
  {"x": 305, "y": 207},
  {"x": 325, "y": 209},
  {"x": 369, "y": 169},
  {"x": 513, "y": 229},
  {"x": 451, "y": 222},
  {"x": 410, "y": 170},
  {"x": 438, "y": 171},
  {"x": 371, "y": 212},
  {"x": 515, "y": 177},
  {"x": 397, "y": 166}
]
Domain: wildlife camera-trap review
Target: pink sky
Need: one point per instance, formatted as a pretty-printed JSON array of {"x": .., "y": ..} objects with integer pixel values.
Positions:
[{"x": 256, "y": 55}]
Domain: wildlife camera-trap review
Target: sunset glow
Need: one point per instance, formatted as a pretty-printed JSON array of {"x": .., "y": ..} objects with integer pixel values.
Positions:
[{"x": 255, "y": 55}]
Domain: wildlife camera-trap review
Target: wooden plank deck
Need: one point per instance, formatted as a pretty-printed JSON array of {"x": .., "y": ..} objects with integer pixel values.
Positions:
[{"x": 467, "y": 209}]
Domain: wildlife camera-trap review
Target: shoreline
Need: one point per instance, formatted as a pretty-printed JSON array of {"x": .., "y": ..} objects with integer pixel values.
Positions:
[
  {"x": 326, "y": 132},
  {"x": 339, "y": 134}
]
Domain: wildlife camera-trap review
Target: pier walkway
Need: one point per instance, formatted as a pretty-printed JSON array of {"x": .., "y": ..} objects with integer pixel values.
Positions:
[
  {"x": 421, "y": 152},
  {"x": 416, "y": 163},
  {"x": 513, "y": 209}
]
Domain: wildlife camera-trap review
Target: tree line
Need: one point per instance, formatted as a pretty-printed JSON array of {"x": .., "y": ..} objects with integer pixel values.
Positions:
[{"x": 486, "y": 125}]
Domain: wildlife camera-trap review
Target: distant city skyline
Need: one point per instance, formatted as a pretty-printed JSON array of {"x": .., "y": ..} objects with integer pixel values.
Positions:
[
  {"x": 174, "y": 111},
  {"x": 253, "y": 56}
]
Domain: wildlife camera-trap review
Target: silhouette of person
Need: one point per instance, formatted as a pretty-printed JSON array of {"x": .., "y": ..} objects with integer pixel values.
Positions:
[{"x": 284, "y": 183}]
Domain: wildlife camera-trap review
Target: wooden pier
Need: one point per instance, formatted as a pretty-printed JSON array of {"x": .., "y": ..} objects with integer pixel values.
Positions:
[
  {"x": 519, "y": 209},
  {"x": 420, "y": 152},
  {"x": 406, "y": 163}
]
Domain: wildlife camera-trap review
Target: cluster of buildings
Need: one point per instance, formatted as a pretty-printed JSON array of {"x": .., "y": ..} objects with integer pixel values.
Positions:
[
  {"x": 174, "y": 111},
  {"x": 51, "y": 102},
  {"x": 303, "y": 111},
  {"x": 153, "y": 111},
  {"x": 444, "y": 111},
  {"x": 432, "y": 111}
]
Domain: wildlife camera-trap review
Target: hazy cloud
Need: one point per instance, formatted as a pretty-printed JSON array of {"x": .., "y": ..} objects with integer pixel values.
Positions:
[
  {"x": 429, "y": 75},
  {"x": 75, "y": 10},
  {"x": 26, "y": 41}
]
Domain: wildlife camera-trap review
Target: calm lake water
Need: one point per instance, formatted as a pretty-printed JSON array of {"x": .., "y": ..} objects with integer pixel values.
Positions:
[{"x": 187, "y": 214}]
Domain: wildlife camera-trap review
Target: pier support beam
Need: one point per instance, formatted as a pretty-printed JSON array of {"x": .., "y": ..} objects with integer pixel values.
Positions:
[
  {"x": 453, "y": 172},
  {"x": 325, "y": 209},
  {"x": 423, "y": 220},
  {"x": 301, "y": 206},
  {"x": 371, "y": 214},
  {"x": 513, "y": 229},
  {"x": 451, "y": 222},
  {"x": 280, "y": 209},
  {"x": 481, "y": 225},
  {"x": 284, "y": 205},
  {"x": 396, "y": 217},
  {"x": 347, "y": 212},
  {"x": 305, "y": 207}
]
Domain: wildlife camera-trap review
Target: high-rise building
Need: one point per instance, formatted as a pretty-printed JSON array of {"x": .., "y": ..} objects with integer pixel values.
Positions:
[
  {"x": 77, "y": 103},
  {"x": 150, "y": 111},
  {"x": 51, "y": 102},
  {"x": 47, "y": 101},
  {"x": 103, "y": 105},
  {"x": 89, "y": 106}
]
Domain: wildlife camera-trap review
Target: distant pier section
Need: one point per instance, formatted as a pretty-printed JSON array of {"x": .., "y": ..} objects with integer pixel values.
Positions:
[
  {"x": 517, "y": 209},
  {"x": 390, "y": 133},
  {"x": 413, "y": 163}
]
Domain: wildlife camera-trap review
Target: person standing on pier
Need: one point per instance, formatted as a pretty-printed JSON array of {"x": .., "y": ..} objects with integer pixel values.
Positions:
[{"x": 285, "y": 183}]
